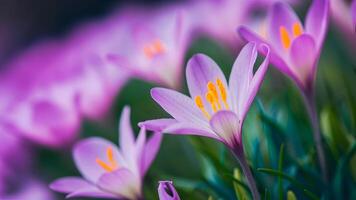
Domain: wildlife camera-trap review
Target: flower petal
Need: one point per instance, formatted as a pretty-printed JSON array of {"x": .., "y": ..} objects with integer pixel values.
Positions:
[
  {"x": 282, "y": 15},
  {"x": 241, "y": 75},
  {"x": 303, "y": 56},
  {"x": 317, "y": 20},
  {"x": 201, "y": 69},
  {"x": 126, "y": 135},
  {"x": 183, "y": 128},
  {"x": 255, "y": 83},
  {"x": 178, "y": 106},
  {"x": 353, "y": 13},
  {"x": 121, "y": 182},
  {"x": 69, "y": 184},
  {"x": 157, "y": 125},
  {"x": 275, "y": 59},
  {"x": 166, "y": 191},
  {"x": 226, "y": 124},
  {"x": 87, "y": 151},
  {"x": 92, "y": 192},
  {"x": 150, "y": 151}
]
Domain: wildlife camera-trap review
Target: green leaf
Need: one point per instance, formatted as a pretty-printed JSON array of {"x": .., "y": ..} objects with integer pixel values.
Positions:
[
  {"x": 280, "y": 169},
  {"x": 241, "y": 189},
  {"x": 290, "y": 179},
  {"x": 338, "y": 185}
]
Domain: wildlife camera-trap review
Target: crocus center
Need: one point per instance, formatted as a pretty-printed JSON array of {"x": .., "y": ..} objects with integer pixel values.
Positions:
[
  {"x": 285, "y": 36},
  {"x": 153, "y": 48},
  {"x": 216, "y": 96},
  {"x": 111, "y": 165}
]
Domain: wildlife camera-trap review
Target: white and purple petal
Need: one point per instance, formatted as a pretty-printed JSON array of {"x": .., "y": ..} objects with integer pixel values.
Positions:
[
  {"x": 179, "y": 106},
  {"x": 87, "y": 151},
  {"x": 166, "y": 191},
  {"x": 122, "y": 183},
  {"x": 316, "y": 22}
]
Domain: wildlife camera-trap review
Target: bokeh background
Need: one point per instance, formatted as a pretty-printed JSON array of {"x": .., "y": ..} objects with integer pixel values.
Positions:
[{"x": 199, "y": 167}]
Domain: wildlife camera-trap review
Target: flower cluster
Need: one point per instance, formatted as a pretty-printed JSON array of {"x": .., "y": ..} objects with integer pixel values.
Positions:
[{"x": 50, "y": 89}]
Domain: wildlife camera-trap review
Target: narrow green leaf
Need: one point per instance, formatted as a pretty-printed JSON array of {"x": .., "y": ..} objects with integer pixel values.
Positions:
[
  {"x": 290, "y": 179},
  {"x": 239, "y": 190},
  {"x": 280, "y": 169}
]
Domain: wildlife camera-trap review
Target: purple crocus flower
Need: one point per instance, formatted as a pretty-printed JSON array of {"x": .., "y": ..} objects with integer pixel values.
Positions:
[
  {"x": 166, "y": 191},
  {"x": 216, "y": 109},
  {"x": 343, "y": 16},
  {"x": 31, "y": 189},
  {"x": 152, "y": 44},
  {"x": 295, "y": 51},
  {"x": 110, "y": 172}
]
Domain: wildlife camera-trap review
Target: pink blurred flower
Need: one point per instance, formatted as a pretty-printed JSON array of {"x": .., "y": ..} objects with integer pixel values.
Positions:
[
  {"x": 110, "y": 172},
  {"x": 343, "y": 15},
  {"x": 152, "y": 43},
  {"x": 166, "y": 191}
]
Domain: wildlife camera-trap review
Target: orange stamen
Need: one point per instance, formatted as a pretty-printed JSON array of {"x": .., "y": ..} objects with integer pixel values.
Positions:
[
  {"x": 210, "y": 98},
  {"x": 200, "y": 105},
  {"x": 112, "y": 165},
  {"x": 297, "y": 29},
  {"x": 154, "y": 48},
  {"x": 222, "y": 92},
  {"x": 211, "y": 87},
  {"x": 286, "y": 41}
]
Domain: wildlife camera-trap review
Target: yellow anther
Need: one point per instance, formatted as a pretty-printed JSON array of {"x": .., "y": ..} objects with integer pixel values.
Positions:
[
  {"x": 158, "y": 46},
  {"x": 111, "y": 165},
  {"x": 286, "y": 41},
  {"x": 200, "y": 105},
  {"x": 211, "y": 88},
  {"x": 223, "y": 93},
  {"x": 210, "y": 98},
  {"x": 103, "y": 165},
  {"x": 154, "y": 48},
  {"x": 297, "y": 29}
]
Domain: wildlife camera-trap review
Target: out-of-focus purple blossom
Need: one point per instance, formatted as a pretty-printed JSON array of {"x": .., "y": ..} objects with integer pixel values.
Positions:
[
  {"x": 109, "y": 172},
  {"x": 353, "y": 13},
  {"x": 15, "y": 167},
  {"x": 343, "y": 17},
  {"x": 295, "y": 49},
  {"x": 215, "y": 109},
  {"x": 166, "y": 191},
  {"x": 14, "y": 160},
  {"x": 152, "y": 43},
  {"x": 32, "y": 190},
  {"x": 48, "y": 89},
  {"x": 220, "y": 18}
]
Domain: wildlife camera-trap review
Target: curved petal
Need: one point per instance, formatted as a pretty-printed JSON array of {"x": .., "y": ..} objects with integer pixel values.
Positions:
[
  {"x": 126, "y": 136},
  {"x": 178, "y": 106},
  {"x": 121, "y": 182},
  {"x": 201, "y": 69},
  {"x": 241, "y": 75},
  {"x": 87, "y": 151},
  {"x": 255, "y": 84},
  {"x": 150, "y": 151},
  {"x": 69, "y": 184},
  {"x": 275, "y": 59},
  {"x": 317, "y": 20},
  {"x": 182, "y": 128},
  {"x": 92, "y": 192},
  {"x": 303, "y": 56},
  {"x": 226, "y": 124},
  {"x": 282, "y": 15},
  {"x": 166, "y": 191},
  {"x": 353, "y": 12},
  {"x": 157, "y": 125}
]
